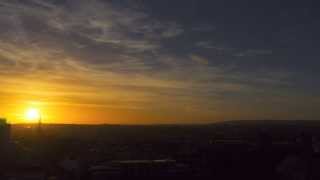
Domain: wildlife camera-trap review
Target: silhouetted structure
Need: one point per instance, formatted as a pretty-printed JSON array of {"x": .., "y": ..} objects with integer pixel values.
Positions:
[
  {"x": 4, "y": 144},
  {"x": 4, "y": 134}
]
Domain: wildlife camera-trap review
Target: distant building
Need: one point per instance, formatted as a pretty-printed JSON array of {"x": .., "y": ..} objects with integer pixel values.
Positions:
[
  {"x": 5, "y": 131},
  {"x": 4, "y": 145}
]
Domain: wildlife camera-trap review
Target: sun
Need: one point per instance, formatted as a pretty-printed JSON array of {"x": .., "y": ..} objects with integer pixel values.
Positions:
[{"x": 33, "y": 115}]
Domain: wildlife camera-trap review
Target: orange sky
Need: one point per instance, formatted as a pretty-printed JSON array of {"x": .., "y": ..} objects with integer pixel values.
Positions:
[
  {"x": 78, "y": 94},
  {"x": 73, "y": 102}
]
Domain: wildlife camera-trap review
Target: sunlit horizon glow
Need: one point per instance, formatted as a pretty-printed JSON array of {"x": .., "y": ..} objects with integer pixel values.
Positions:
[
  {"x": 33, "y": 115},
  {"x": 144, "y": 62}
]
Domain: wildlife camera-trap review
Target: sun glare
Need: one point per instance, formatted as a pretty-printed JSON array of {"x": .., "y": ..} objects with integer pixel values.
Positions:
[{"x": 33, "y": 115}]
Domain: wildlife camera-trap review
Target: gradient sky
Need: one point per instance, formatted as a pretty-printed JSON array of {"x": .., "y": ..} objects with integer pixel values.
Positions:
[{"x": 159, "y": 61}]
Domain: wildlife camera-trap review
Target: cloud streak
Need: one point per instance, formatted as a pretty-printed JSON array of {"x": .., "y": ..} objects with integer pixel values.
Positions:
[{"x": 98, "y": 54}]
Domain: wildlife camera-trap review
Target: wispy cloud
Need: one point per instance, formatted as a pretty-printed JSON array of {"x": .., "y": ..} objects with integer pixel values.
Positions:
[
  {"x": 100, "y": 22},
  {"x": 211, "y": 46},
  {"x": 254, "y": 52},
  {"x": 200, "y": 60},
  {"x": 97, "y": 54},
  {"x": 237, "y": 52}
]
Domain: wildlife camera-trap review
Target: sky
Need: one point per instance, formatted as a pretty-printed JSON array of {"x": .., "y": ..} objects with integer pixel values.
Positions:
[{"x": 159, "y": 61}]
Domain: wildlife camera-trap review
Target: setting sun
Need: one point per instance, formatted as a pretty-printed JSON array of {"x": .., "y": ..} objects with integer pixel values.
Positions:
[{"x": 33, "y": 115}]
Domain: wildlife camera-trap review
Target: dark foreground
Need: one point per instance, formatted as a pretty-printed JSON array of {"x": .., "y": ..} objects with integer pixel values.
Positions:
[{"x": 233, "y": 150}]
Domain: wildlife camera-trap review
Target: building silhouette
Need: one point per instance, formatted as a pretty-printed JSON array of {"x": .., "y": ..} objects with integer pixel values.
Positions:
[{"x": 5, "y": 131}]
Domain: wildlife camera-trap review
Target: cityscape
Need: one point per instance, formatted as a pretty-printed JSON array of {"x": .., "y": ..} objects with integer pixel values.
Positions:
[
  {"x": 159, "y": 89},
  {"x": 246, "y": 149}
]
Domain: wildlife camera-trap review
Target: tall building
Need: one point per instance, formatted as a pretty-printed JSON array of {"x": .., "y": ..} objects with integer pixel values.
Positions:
[{"x": 5, "y": 131}]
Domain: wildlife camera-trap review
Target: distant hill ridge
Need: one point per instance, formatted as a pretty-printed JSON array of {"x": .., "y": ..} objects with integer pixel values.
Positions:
[{"x": 271, "y": 122}]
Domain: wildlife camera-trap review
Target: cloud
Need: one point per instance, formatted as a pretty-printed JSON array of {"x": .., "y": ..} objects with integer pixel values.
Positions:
[
  {"x": 73, "y": 81},
  {"x": 237, "y": 52},
  {"x": 100, "y": 22},
  {"x": 97, "y": 54},
  {"x": 199, "y": 60},
  {"x": 254, "y": 52},
  {"x": 210, "y": 45},
  {"x": 173, "y": 30}
]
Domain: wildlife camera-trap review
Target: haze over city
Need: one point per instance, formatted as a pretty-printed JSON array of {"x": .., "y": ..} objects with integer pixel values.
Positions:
[{"x": 158, "y": 62}]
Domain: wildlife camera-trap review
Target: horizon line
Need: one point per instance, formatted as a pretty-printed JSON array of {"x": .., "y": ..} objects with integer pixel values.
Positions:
[{"x": 162, "y": 124}]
